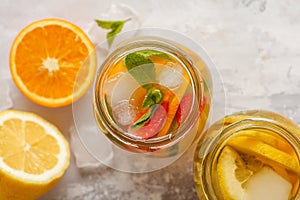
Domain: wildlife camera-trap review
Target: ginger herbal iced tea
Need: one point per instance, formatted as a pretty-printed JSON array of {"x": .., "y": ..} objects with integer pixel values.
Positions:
[
  {"x": 151, "y": 99},
  {"x": 255, "y": 158}
]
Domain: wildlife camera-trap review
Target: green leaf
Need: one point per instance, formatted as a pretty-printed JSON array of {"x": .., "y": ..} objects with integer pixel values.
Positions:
[
  {"x": 144, "y": 118},
  {"x": 141, "y": 68},
  {"x": 153, "y": 96},
  {"x": 115, "y": 28},
  {"x": 148, "y": 53}
]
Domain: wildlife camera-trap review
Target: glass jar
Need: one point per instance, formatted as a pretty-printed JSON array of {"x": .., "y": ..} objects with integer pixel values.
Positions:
[
  {"x": 108, "y": 118},
  {"x": 264, "y": 140},
  {"x": 116, "y": 90}
]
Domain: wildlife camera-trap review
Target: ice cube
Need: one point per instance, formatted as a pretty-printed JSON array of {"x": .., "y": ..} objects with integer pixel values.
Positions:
[
  {"x": 5, "y": 100},
  {"x": 112, "y": 81},
  {"x": 267, "y": 185},
  {"x": 124, "y": 113},
  {"x": 123, "y": 89},
  {"x": 82, "y": 157},
  {"x": 171, "y": 77}
]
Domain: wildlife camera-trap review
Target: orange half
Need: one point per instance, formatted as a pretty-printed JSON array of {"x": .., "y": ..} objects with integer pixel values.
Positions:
[{"x": 46, "y": 58}]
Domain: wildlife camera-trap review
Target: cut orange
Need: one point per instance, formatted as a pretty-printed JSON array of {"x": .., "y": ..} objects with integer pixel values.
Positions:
[
  {"x": 52, "y": 62},
  {"x": 34, "y": 155}
]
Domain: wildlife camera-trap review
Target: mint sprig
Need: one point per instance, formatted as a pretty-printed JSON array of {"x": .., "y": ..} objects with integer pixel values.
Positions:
[
  {"x": 141, "y": 68},
  {"x": 115, "y": 28}
]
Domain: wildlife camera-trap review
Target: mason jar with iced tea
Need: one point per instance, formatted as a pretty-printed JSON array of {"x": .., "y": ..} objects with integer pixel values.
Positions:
[
  {"x": 150, "y": 94},
  {"x": 151, "y": 99}
]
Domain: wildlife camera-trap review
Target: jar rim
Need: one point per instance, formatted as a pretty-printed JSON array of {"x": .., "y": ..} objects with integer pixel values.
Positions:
[{"x": 159, "y": 44}]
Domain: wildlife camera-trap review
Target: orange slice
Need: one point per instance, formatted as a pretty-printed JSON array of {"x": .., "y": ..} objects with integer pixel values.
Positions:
[
  {"x": 33, "y": 155},
  {"x": 46, "y": 58}
]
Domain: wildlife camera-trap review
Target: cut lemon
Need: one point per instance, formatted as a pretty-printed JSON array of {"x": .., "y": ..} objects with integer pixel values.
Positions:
[
  {"x": 33, "y": 155},
  {"x": 231, "y": 174},
  {"x": 270, "y": 138},
  {"x": 50, "y": 59},
  {"x": 265, "y": 152},
  {"x": 252, "y": 163}
]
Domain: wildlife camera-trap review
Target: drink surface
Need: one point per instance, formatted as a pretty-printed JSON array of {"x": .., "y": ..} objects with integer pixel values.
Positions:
[
  {"x": 152, "y": 94},
  {"x": 258, "y": 164},
  {"x": 148, "y": 93},
  {"x": 259, "y": 161}
]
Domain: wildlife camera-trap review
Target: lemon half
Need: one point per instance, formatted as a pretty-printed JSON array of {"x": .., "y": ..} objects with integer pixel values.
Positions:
[{"x": 34, "y": 155}]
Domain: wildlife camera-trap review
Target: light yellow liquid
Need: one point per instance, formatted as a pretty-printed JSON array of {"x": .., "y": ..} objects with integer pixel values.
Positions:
[
  {"x": 255, "y": 149},
  {"x": 254, "y": 163}
]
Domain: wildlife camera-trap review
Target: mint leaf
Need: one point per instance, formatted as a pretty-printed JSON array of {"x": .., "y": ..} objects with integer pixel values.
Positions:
[
  {"x": 153, "y": 96},
  {"x": 144, "y": 118},
  {"x": 148, "y": 53},
  {"x": 115, "y": 27},
  {"x": 141, "y": 68}
]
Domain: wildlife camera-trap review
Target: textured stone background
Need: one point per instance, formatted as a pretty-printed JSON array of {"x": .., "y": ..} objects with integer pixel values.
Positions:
[{"x": 254, "y": 44}]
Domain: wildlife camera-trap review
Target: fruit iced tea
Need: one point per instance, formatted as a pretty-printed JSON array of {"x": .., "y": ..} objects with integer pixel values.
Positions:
[
  {"x": 150, "y": 94},
  {"x": 251, "y": 155}
]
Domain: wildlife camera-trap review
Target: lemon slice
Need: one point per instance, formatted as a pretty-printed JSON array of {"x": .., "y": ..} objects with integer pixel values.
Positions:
[
  {"x": 268, "y": 137},
  {"x": 33, "y": 155},
  {"x": 265, "y": 152},
  {"x": 232, "y": 173}
]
